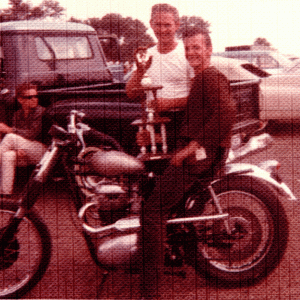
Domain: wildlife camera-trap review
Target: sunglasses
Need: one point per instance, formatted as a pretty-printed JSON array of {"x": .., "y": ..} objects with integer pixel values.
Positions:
[{"x": 29, "y": 97}]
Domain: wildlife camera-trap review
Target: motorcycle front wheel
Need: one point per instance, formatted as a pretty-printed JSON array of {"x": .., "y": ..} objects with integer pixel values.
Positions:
[
  {"x": 257, "y": 237},
  {"x": 25, "y": 259}
]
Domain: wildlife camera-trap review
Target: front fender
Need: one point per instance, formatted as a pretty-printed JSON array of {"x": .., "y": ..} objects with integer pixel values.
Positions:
[{"x": 244, "y": 169}]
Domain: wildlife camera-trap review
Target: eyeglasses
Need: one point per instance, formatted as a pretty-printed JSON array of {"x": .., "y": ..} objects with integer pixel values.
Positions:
[{"x": 29, "y": 97}]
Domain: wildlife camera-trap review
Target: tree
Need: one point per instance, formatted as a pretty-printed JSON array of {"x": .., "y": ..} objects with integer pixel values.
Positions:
[
  {"x": 19, "y": 10},
  {"x": 261, "y": 42},
  {"x": 194, "y": 21},
  {"x": 130, "y": 33}
]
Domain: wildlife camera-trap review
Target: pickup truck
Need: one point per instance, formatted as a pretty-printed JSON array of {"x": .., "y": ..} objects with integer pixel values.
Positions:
[{"x": 69, "y": 66}]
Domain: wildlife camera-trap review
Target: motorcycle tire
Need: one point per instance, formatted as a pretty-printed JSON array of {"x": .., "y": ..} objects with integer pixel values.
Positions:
[
  {"x": 25, "y": 260},
  {"x": 258, "y": 238}
]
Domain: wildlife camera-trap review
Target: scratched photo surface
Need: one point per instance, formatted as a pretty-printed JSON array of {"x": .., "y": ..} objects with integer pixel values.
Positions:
[{"x": 240, "y": 92}]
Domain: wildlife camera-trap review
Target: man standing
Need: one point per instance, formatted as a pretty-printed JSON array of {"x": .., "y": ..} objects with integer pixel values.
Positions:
[
  {"x": 169, "y": 66},
  {"x": 202, "y": 139},
  {"x": 21, "y": 145}
]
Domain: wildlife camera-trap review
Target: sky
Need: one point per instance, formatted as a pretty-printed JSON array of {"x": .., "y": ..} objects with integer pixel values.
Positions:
[{"x": 233, "y": 22}]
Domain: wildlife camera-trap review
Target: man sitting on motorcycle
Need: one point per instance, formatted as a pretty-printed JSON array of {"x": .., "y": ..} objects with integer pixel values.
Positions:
[{"x": 201, "y": 142}]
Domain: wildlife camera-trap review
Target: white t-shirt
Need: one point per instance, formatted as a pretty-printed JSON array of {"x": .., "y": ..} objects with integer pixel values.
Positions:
[{"x": 172, "y": 71}]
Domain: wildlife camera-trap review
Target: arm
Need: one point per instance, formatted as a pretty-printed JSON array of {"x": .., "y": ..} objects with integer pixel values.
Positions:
[
  {"x": 137, "y": 75},
  {"x": 5, "y": 128},
  {"x": 35, "y": 126},
  {"x": 132, "y": 83},
  {"x": 184, "y": 153}
]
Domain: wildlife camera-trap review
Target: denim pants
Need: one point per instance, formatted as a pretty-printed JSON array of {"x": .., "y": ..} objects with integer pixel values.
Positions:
[{"x": 169, "y": 189}]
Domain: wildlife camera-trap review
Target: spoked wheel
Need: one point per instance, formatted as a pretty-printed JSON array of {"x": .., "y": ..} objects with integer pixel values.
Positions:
[
  {"x": 24, "y": 261},
  {"x": 250, "y": 243}
]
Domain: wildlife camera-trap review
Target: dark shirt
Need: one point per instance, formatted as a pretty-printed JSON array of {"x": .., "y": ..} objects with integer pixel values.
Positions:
[
  {"x": 210, "y": 112},
  {"x": 29, "y": 127}
]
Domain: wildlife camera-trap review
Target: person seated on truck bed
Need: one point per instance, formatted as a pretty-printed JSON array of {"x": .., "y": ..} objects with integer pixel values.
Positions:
[{"x": 21, "y": 145}]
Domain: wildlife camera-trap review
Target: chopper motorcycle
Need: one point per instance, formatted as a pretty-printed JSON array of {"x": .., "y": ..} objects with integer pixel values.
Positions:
[{"x": 238, "y": 236}]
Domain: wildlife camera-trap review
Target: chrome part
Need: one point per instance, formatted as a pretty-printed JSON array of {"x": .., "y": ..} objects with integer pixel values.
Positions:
[
  {"x": 114, "y": 163},
  {"x": 269, "y": 165},
  {"x": 133, "y": 223},
  {"x": 118, "y": 250},
  {"x": 45, "y": 164},
  {"x": 251, "y": 238},
  {"x": 4, "y": 91},
  {"x": 218, "y": 207},
  {"x": 198, "y": 219},
  {"x": 244, "y": 169},
  {"x": 256, "y": 143},
  {"x": 109, "y": 189}
]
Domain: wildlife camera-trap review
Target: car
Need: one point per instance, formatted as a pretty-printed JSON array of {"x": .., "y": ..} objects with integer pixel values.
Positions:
[
  {"x": 271, "y": 61},
  {"x": 280, "y": 95},
  {"x": 237, "y": 70}
]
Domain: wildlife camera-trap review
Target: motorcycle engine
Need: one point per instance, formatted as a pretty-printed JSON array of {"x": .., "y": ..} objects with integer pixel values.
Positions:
[{"x": 107, "y": 200}]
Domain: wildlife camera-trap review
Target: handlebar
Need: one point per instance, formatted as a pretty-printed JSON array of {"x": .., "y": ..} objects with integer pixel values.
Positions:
[{"x": 76, "y": 127}]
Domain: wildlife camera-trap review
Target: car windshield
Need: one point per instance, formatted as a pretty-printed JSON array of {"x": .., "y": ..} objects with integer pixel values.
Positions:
[
  {"x": 295, "y": 68},
  {"x": 283, "y": 61}
]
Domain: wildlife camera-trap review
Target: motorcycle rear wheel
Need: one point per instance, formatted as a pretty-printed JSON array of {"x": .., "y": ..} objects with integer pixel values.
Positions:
[
  {"x": 25, "y": 260},
  {"x": 258, "y": 239}
]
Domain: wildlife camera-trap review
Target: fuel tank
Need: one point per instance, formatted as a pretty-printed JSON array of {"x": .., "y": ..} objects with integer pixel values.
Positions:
[{"x": 114, "y": 163}]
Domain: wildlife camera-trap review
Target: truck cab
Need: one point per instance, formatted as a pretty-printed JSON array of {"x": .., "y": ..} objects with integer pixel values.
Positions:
[{"x": 55, "y": 56}]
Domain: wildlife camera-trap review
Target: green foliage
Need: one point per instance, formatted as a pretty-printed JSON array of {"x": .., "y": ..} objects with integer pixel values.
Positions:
[
  {"x": 18, "y": 10},
  {"x": 194, "y": 21},
  {"x": 261, "y": 42},
  {"x": 130, "y": 33}
]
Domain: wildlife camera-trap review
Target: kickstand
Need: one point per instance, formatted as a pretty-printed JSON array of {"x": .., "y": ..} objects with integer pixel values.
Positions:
[{"x": 105, "y": 274}]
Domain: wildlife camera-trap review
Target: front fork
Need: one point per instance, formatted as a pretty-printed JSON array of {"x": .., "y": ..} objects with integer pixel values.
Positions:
[
  {"x": 29, "y": 195},
  {"x": 219, "y": 208}
]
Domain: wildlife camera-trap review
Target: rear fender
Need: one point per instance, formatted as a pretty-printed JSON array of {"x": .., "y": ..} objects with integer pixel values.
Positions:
[{"x": 249, "y": 170}]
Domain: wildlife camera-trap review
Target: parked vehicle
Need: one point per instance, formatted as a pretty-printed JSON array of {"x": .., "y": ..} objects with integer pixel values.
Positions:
[
  {"x": 111, "y": 49},
  {"x": 280, "y": 95},
  {"x": 271, "y": 61},
  {"x": 67, "y": 62},
  {"x": 237, "y": 238}
]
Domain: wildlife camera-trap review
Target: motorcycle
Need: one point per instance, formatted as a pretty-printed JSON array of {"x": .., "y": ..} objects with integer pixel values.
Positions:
[{"x": 241, "y": 228}]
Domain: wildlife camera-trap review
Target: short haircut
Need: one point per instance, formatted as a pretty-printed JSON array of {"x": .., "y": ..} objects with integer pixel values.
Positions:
[
  {"x": 190, "y": 31},
  {"x": 21, "y": 88},
  {"x": 165, "y": 8}
]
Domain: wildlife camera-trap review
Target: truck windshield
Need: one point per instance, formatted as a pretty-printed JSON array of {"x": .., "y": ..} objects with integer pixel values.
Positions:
[{"x": 71, "y": 47}]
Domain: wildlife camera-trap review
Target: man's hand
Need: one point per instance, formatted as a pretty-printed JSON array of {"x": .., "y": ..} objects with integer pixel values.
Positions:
[
  {"x": 5, "y": 128},
  {"x": 134, "y": 81},
  {"x": 181, "y": 155},
  {"x": 142, "y": 64}
]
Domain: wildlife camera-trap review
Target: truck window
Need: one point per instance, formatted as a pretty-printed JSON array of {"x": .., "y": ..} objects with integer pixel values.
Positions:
[
  {"x": 71, "y": 47},
  {"x": 110, "y": 48},
  {"x": 42, "y": 49}
]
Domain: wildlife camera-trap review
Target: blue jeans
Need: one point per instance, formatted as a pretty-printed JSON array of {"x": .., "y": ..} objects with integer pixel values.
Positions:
[{"x": 169, "y": 189}]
